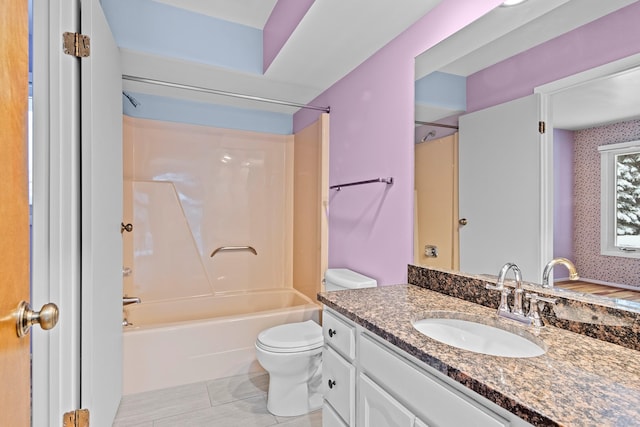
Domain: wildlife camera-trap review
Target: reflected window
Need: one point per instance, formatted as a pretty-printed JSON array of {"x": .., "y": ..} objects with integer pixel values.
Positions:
[{"x": 620, "y": 174}]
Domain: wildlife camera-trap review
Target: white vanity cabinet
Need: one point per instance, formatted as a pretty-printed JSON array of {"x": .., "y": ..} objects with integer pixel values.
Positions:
[
  {"x": 338, "y": 370},
  {"x": 382, "y": 386}
]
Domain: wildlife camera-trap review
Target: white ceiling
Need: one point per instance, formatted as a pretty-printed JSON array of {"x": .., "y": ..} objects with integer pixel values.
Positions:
[
  {"x": 252, "y": 13},
  {"x": 601, "y": 101},
  {"x": 505, "y": 32},
  {"x": 333, "y": 38},
  {"x": 341, "y": 35},
  {"x": 336, "y": 36}
]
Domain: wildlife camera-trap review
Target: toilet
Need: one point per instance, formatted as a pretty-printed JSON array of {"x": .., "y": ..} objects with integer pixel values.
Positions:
[{"x": 292, "y": 354}]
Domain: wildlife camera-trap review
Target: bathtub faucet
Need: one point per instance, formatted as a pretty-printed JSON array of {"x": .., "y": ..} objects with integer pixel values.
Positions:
[{"x": 130, "y": 300}]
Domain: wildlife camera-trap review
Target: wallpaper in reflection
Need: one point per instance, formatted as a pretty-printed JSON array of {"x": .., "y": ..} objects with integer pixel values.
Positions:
[{"x": 589, "y": 262}]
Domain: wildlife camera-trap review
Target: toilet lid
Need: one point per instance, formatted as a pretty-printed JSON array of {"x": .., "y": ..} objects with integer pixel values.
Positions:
[{"x": 291, "y": 337}]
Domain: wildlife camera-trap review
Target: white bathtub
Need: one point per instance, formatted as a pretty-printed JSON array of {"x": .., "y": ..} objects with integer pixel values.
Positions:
[{"x": 197, "y": 339}]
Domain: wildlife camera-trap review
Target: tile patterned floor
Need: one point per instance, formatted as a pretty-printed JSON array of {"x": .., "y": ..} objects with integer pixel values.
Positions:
[{"x": 233, "y": 401}]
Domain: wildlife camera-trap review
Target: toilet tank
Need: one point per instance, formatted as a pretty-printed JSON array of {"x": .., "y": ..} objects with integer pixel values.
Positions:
[{"x": 337, "y": 279}]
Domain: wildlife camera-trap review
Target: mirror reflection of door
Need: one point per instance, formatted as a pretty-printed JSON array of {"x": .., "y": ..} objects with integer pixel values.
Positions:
[
  {"x": 436, "y": 193},
  {"x": 500, "y": 189}
]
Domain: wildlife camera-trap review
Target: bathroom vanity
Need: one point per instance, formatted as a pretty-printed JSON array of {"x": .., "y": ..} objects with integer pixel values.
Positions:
[
  {"x": 392, "y": 388},
  {"x": 378, "y": 370}
]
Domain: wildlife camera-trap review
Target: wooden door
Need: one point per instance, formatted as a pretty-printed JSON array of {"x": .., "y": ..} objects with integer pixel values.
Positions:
[
  {"x": 15, "y": 380},
  {"x": 436, "y": 218}
]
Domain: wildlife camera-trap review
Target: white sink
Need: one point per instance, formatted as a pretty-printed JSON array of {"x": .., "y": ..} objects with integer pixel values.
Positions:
[{"x": 453, "y": 329}]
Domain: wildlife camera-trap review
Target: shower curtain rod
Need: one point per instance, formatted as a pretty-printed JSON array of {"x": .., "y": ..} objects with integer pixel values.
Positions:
[
  {"x": 223, "y": 93},
  {"x": 418, "y": 122}
]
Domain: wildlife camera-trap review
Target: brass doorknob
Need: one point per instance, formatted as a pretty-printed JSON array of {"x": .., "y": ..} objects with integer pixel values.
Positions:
[
  {"x": 463, "y": 221},
  {"x": 47, "y": 317}
]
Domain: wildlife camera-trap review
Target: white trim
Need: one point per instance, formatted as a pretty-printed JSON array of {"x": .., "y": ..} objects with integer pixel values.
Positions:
[
  {"x": 621, "y": 147},
  {"x": 546, "y": 91},
  {"x": 56, "y": 244},
  {"x": 546, "y": 183}
]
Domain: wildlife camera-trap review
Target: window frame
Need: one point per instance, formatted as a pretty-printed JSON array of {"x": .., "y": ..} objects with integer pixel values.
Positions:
[{"x": 608, "y": 198}]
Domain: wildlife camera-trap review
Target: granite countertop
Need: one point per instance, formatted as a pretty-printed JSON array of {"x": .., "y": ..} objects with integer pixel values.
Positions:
[{"x": 579, "y": 381}]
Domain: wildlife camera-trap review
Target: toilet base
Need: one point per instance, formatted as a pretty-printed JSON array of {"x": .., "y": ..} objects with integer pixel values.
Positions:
[{"x": 285, "y": 399}]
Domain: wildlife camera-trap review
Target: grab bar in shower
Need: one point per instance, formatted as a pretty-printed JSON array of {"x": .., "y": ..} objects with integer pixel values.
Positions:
[{"x": 234, "y": 248}]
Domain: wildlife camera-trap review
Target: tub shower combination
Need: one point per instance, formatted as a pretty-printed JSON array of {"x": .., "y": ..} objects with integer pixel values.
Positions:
[{"x": 209, "y": 257}]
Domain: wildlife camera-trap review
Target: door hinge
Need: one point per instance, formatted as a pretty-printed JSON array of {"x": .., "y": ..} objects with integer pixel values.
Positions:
[
  {"x": 77, "y": 418},
  {"x": 75, "y": 44},
  {"x": 542, "y": 127}
]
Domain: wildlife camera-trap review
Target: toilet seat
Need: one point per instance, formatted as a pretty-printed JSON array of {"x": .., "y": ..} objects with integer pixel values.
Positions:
[{"x": 291, "y": 337}]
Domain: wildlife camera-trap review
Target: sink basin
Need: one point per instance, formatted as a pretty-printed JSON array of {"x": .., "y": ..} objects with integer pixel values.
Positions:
[{"x": 462, "y": 331}]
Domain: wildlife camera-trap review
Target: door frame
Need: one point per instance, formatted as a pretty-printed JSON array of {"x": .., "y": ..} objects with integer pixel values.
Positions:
[
  {"x": 547, "y": 180},
  {"x": 56, "y": 211}
]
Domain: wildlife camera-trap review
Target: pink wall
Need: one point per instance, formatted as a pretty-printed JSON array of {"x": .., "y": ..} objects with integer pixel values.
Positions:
[
  {"x": 611, "y": 37},
  {"x": 284, "y": 19},
  {"x": 589, "y": 262},
  {"x": 563, "y": 226},
  {"x": 372, "y": 133}
]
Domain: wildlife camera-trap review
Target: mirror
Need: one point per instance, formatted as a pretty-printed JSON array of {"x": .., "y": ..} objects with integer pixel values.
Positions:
[{"x": 487, "y": 43}]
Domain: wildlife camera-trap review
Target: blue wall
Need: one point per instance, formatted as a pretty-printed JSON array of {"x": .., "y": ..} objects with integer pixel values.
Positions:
[
  {"x": 160, "y": 29},
  {"x": 442, "y": 90},
  {"x": 199, "y": 113}
]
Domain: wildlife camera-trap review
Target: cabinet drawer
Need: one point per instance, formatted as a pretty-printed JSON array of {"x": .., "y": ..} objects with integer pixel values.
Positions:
[
  {"x": 338, "y": 377},
  {"x": 330, "y": 418},
  {"x": 376, "y": 408},
  {"x": 431, "y": 399},
  {"x": 339, "y": 335}
]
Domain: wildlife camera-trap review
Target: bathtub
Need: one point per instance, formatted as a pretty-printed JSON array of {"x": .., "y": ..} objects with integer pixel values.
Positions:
[{"x": 174, "y": 342}]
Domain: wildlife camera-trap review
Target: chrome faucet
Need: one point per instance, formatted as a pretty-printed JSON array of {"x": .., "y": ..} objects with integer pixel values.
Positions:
[
  {"x": 516, "y": 312},
  {"x": 130, "y": 300},
  {"x": 573, "y": 273}
]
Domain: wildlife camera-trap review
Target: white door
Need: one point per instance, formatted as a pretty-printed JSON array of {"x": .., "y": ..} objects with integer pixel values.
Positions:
[
  {"x": 101, "y": 195},
  {"x": 500, "y": 188}
]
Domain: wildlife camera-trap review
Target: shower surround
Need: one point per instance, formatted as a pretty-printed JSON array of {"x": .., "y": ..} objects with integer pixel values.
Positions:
[{"x": 188, "y": 191}]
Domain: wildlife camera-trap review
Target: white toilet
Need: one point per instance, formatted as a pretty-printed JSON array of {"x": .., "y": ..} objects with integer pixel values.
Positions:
[{"x": 292, "y": 354}]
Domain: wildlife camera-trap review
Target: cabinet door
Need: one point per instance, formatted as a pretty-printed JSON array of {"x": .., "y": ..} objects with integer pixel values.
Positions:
[
  {"x": 427, "y": 396},
  {"x": 330, "y": 418},
  {"x": 338, "y": 377},
  {"x": 339, "y": 335},
  {"x": 376, "y": 408}
]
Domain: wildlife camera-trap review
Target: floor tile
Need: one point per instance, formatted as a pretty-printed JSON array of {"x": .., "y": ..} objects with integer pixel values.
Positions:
[
  {"x": 251, "y": 412},
  {"x": 152, "y": 405},
  {"x": 314, "y": 419},
  {"x": 226, "y": 390},
  {"x": 233, "y": 401},
  {"x": 125, "y": 423}
]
